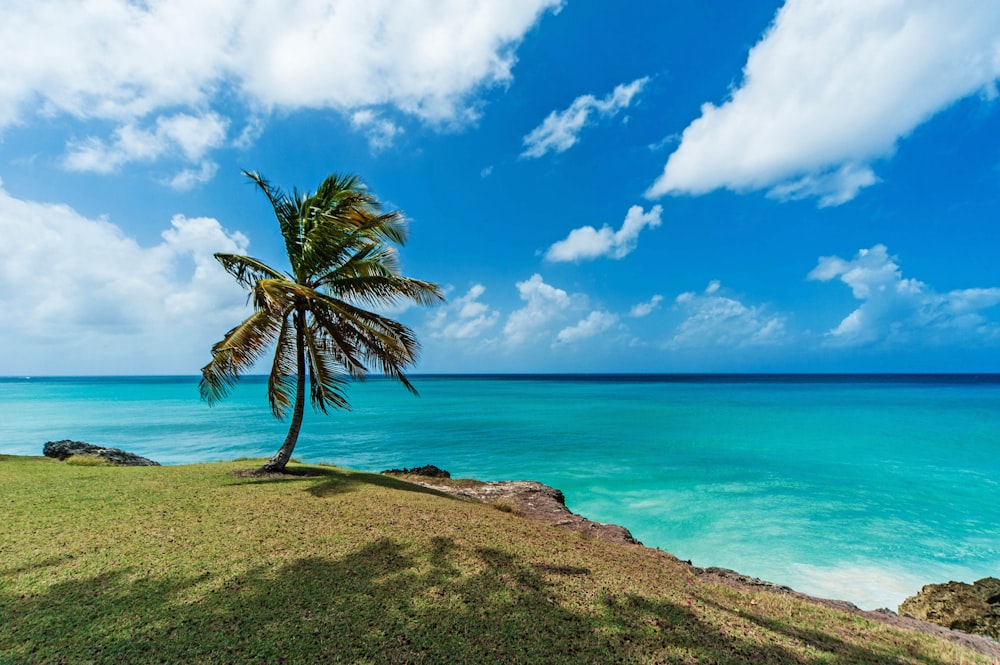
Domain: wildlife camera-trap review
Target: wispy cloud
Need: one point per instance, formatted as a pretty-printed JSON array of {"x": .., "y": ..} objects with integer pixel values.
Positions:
[
  {"x": 830, "y": 89},
  {"x": 187, "y": 136},
  {"x": 189, "y": 178},
  {"x": 380, "y": 132},
  {"x": 561, "y": 129},
  {"x": 465, "y": 317},
  {"x": 898, "y": 310},
  {"x": 587, "y": 242},
  {"x": 643, "y": 309},
  {"x": 713, "y": 319},
  {"x": 596, "y": 323}
]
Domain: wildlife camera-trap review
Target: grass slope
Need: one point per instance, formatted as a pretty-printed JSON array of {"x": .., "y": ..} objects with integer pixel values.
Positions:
[{"x": 192, "y": 564}]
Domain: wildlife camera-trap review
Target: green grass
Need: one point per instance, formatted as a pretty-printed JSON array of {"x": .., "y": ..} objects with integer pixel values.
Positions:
[{"x": 184, "y": 564}]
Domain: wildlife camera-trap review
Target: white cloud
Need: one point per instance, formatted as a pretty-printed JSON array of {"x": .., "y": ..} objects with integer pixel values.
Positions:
[
  {"x": 596, "y": 323},
  {"x": 832, "y": 188},
  {"x": 189, "y": 178},
  {"x": 589, "y": 243},
  {"x": 380, "y": 132},
  {"x": 645, "y": 308},
  {"x": 122, "y": 61},
  {"x": 714, "y": 320},
  {"x": 897, "y": 310},
  {"x": 561, "y": 129},
  {"x": 186, "y": 135},
  {"x": 465, "y": 317},
  {"x": 830, "y": 89},
  {"x": 545, "y": 304},
  {"x": 79, "y": 296}
]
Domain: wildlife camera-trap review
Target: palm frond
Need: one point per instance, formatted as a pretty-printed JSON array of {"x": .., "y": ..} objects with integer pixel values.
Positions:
[
  {"x": 326, "y": 386},
  {"x": 283, "y": 294},
  {"x": 281, "y": 380},
  {"x": 285, "y": 211},
  {"x": 388, "y": 344},
  {"x": 336, "y": 233},
  {"x": 339, "y": 343},
  {"x": 246, "y": 269},
  {"x": 382, "y": 290},
  {"x": 236, "y": 353},
  {"x": 371, "y": 276}
]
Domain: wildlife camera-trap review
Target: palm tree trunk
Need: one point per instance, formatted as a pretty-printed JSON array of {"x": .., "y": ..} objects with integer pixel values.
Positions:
[{"x": 280, "y": 459}]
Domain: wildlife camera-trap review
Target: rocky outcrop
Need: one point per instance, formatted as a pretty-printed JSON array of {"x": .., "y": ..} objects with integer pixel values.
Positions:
[
  {"x": 527, "y": 498},
  {"x": 428, "y": 471},
  {"x": 65, "y": 449},
  {"x": 971, "y": 608}
]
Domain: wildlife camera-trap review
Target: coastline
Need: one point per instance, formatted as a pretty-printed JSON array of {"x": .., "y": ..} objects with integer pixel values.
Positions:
[
  {"x": 540, "y": 503},
  {"x": 687, "y": 466}
]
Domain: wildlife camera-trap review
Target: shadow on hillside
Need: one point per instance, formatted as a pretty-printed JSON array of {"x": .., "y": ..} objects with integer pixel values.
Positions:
[
  {"x": 322, "y": 482},
  {"x": 386, "y": 603}
]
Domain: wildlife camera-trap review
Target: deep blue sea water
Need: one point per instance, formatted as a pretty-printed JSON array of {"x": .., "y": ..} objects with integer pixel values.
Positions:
[{"x": 855, "y": 487}]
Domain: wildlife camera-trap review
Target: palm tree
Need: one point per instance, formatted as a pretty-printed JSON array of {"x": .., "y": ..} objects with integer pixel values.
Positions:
[{"x": 341, "y": 250}]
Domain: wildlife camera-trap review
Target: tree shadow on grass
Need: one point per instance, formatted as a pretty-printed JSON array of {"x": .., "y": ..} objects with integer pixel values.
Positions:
[
  {"x": 322, "y": 482},
  {"x": 438, "y": 602},
  {"x": 825, "y": 642},
  {"x": 48, "y": 562}
]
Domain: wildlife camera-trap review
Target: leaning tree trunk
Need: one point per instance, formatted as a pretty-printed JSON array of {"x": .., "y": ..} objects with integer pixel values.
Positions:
[{"x": 280, "y": 459}]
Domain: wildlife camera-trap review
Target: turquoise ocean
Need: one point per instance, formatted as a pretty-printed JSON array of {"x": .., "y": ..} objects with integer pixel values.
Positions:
[{"x": 857, "y": 487}]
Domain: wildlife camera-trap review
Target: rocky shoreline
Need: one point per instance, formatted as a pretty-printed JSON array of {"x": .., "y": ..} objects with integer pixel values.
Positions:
[
  {"x": 541, "y": 503},
  {"x": 66, "y": 448}
]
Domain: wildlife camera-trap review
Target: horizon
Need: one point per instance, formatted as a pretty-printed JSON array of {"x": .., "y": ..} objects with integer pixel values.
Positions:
[
  {"x": 680, "y": 376},
  {"x": 761, "y": 188}
]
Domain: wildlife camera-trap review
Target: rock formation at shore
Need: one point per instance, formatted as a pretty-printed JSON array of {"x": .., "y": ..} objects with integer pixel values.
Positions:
[
  {"x": 971, "y": 608},
  {"x": 66, "y": 448},
  {"x": 524, "y": 497}
]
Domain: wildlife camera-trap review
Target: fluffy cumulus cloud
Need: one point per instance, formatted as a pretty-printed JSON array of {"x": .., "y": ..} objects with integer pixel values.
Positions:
[
  {"x": 465, "y": 317},
  {"x": 831, "y": 88},
  {"x": 79, "y": 295},
  {"x": 587, "y": 242},
  {"x": 561, "y": 129},
  {"x": 713, "y": 319},
  {"x": 123, "y": 62},
  {"x": 899, "y": 310},
  {"x": 544, "y": 305}
]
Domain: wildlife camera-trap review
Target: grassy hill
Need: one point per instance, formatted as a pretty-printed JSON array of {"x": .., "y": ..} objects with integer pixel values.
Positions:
[{"x": 191, "y": 564}]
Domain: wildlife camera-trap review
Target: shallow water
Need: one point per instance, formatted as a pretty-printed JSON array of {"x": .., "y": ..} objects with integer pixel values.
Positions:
[{"x": 861, "y": 488}]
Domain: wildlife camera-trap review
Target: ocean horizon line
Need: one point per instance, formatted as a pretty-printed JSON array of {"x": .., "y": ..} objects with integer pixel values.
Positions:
[{"x": 617, "y": 377}]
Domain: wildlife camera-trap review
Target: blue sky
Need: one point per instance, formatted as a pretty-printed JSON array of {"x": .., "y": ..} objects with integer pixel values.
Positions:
[{"x": 599, "y": 186}]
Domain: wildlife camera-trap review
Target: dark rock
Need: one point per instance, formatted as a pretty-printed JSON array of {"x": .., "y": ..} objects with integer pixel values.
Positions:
[
  {"x": 971, "y": 608},
  {"x": 64, "y": 449},
  {"x": 429, "y": 471}
]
